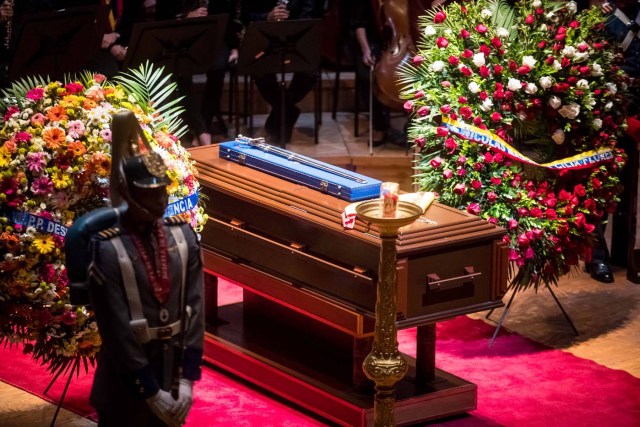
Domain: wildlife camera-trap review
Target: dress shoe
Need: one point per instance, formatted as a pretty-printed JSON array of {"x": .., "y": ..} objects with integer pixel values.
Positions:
[{"x": 601, "y": 272}]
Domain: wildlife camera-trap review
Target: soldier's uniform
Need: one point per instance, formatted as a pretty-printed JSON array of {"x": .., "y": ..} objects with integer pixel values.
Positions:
[{"x": 129, "y": 370}]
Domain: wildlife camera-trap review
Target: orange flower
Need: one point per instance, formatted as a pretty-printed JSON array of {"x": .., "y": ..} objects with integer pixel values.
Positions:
[
  {"x": 10, "y": 241},
  {"x": 89, "y": 104},
  {"x": 53, "y": 137},
  {"x": 76, "y": 148},
  {"x": 57, "y": 113},
  {"x": 101, "y": 163}
]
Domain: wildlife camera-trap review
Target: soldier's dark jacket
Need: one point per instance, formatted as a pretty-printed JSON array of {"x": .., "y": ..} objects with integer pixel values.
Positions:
[{"x": 129, "y": 372}]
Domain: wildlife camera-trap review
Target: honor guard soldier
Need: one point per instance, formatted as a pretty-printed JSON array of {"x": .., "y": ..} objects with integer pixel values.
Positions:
[{"x": 146, "y": 289}]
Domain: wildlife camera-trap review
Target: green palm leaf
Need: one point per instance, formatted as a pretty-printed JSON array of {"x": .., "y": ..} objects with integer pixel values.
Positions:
[{"x": 154, "y": 91}]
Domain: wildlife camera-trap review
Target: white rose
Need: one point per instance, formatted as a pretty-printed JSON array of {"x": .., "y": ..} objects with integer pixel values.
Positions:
[
  {"x": 485, "y": 14},
  {"x": 531, "y": 88},
  {"x": 529, "y": 61},
  {"x": 448, "y": 32},
  {"x": 429, "y": 31},
  {"x": 437, "y": 66},
  {"x": 502, "y": 32},
  {"x": 555, "y": 102},
  {"x": 546, "y": 82},
  {"x": 582, "y": 84},
  {"x": 478, "y": 59},
  {"x": 522, "y": 115},
  {"x": 569, "y": 51},
  {"x": 514, "y": 84},
  {"x": 570, "y": 111},
  {"x": 597, "y": 123},
  {"x": 558, "y": 136},
  {"x": 486, "y": 105},
  {"x": 572, "y": 7},
  {"x": 612, "y": 88},
  {"x": 608, "y": 105},
  {"x": 473, "y": 87},
  {"x": 596, "y": 70},
  {"x": 581, "y": 57},
  {"x": 537, "y": 3},
  {"x": 557, "y": 65}
]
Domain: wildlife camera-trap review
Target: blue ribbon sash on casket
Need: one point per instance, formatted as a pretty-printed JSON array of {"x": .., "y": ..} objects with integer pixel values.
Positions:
[{"x": 309, "y": 172}]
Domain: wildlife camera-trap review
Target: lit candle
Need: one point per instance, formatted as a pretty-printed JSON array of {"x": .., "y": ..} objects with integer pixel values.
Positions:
[{"x": 389, "y": 198}]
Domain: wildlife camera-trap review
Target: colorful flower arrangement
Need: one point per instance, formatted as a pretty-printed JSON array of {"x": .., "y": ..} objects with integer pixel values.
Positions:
[
  {"x": 54, "y": 163},
  {"x": 515, "y": 113}
]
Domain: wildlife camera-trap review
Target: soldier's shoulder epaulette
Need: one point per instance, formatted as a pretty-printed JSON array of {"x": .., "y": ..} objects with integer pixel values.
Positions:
[
  {"x": 109, "y": 233},
  {"x": 174, "y": 220}
]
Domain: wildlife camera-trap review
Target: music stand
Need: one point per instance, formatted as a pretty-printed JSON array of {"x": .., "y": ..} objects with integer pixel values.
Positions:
[
  {"x": 57, "y": 43},
  {"x": 280, "y": 47},
  {"x": 183, "y": 47}
]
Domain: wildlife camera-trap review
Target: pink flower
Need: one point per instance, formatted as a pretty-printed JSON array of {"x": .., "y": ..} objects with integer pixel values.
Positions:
[
  {"x": 447, "y": 173},
  {"x": 99, "y": 78},
  {"x": 74, "y": 87},
  {"x": 420, "y": 141},
  {"x": 419, "y": 94},
  {"x": 496, "y": 117},
  {"x": 461, "y": 172},
  {"x": 22, "y": 137},
  {"x": 528, "y": 253},
  {"x": 535, "y": 212},
  {"x": 476, "y": 184},
  {"x": 68, "y": 318},
  {"x": 10, "y": 112},
  {"x": 36, "y": 162},
  {"x": 451, "y": 145},
  {"x": 495, "y": 42},
  {"x": 35, "y": 94},
  {"x": 492, "y": 197},
  {"x": 435, "y": 162},
  {"x": 423, "y": 111},
  {"x": 38, "y": 119},
  {"x": 445, "y": 83},
  {"x": 417, "y": 60},
  {"x": 481, "y": 28},
  {"x": 512, "y": 224},
  {"x": 442, "y": 42},
  {"x": 445, "y": 109},
  {"x": 530, "y": 19},
  {"x": 42, "y": 186},
  {"x": 408, "y": 106},
  {"x": 513, "y": 255},
  {"x": 76, "y": 129},
  {"x": 439, "y": 17},
  {"x": 465, "y": 112},
  {"x": 105, "y": 134},
  {"x": 442, "y": 131},
  {"x": 523, "y": 240},
  {"x": 464, "y": 33}
]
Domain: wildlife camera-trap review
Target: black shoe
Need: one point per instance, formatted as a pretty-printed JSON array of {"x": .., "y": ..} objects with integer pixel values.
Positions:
[{"x": 601, "y": 272}]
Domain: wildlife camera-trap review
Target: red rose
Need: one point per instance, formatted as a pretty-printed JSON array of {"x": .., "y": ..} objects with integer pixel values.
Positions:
[
  {"x": 467, "y": 53},
  {"x": 419, "y": 94},
  {"x": 574, "y": 24},
  {"x": 550, "y": 59},
  {"x": 439, "y": 17},
  {"x": 524, "y": 69},
  {"x": 488, "y": 158},
  {"x": 513, "y": 66},
  {"x": 442, "y": 131},
  {"x": 483, "y": 95},
  {"x": 484, "y": 71},
  {"x": 473, "y": 209},
  {"x": 522, "y": 211},
  {"x": 447, "y": 174},
  {"x": 585, "y": 69},
  {"x": 485, "y": 49},
  {"x": 481, "y": 28},
  {"x": 492, "y": 197},
  {"x": 542, "y": 44},
  {"x": 461, "y": 160},
  {"x": 408, "y": 106},
  {"x": 477, "y": 120},
  {"x": 536, "y": 212},
  {"x": 460, "y": 189},
  {"x": 465, "y": 112},
  {"x": 579, "y": 190},
  {"x": 513, "y": 224},
  {"x": 462, "y": 100},
  {"x": 560, "y": 37},
  {"x": 551, "y": 214},
  {"x": 497, "y": 69},
  {"x": 495, "y": 42},
  {"x": 523, "y": 240},
  {"x": 496, "y": 117},
  {"x": 445, "y": 109},
  {"x": 451, "y": 145},
  {"x": 539, "y": 11},
  {"x": 461, "y": 172},
  {"x": 442, "y": 42},
  {"x": 464, "y": 34},
  {"x": 420, "y": 141},
  {"x": 445, "y": 83},
  {"x": 530, "y": 19},
  {"x": 435, "y": 162},
  {"x": 494, "y": 180},
  {"x": 476, "y": 184},
  {"x": 453, "y": 60},
  {"x": 466, "y": 70},
  {"x": 417, "y": 60},
  {"x": 423, "y": 111}
]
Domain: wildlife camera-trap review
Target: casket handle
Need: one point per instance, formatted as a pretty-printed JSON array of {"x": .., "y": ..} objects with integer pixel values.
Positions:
[{"x": 435, "y": 283}]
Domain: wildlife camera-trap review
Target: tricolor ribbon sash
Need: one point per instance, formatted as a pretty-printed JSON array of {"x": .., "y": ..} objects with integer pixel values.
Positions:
[
  {"x": 482, "y": 136},
  {"x": 44, "y": 225}
]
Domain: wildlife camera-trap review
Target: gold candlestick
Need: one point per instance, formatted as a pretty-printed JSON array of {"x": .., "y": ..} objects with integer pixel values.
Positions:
[{"x": 385, "y": 365}]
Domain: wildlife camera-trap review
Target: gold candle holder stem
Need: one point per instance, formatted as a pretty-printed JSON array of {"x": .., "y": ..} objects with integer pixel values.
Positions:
[{"x": 385, "y": 365}]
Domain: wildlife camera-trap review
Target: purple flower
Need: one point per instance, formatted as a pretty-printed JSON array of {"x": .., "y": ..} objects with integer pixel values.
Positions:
[{"x": 42, "y": 186}]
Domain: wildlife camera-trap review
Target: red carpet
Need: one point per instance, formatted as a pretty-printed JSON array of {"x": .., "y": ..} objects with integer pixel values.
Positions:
[{"x": 520, "y": 383}]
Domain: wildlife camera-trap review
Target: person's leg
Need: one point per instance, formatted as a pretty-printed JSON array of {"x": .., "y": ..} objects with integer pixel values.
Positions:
[
  {"x": 380, "y": 114},
  {"x": 599, "y": 265},
  {"x": 269, "y": 88},
  {"x": 191, "y": 115},
  {"x": 212, "y": 95}
]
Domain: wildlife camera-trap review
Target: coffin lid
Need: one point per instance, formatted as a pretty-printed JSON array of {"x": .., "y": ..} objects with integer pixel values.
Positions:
[{"x": 440, "y": 226}]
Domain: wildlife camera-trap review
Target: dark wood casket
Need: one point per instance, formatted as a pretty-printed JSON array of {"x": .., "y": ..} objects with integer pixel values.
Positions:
[{"x": 309, "y": 291}]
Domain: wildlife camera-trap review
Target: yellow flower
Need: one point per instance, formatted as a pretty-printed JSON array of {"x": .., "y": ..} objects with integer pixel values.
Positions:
[
  {"x": 43, "y": 243},
  {"x": 5, "y": 157},
  {"x": 61, "y": 180}
]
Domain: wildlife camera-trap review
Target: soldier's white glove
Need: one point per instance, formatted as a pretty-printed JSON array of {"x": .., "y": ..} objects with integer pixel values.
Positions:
[
  {"x": 185, "y": 400},
  {"x": 163, "y": 406}
]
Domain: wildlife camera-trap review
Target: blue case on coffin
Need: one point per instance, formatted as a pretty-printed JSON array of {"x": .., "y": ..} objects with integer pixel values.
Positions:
[{"x": 309, "y": 172}]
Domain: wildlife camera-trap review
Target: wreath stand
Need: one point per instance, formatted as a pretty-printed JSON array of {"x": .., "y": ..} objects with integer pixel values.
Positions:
[
  {"x": 75, "y": 366},
  {"x": 506, "y": 311}
]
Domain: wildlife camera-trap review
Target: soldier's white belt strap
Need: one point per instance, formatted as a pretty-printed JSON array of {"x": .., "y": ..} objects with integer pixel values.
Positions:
[
  {"x": 129, "y": 280},
  {"x": 631, "y": 34},
  {"x": 165, "y": 332}
]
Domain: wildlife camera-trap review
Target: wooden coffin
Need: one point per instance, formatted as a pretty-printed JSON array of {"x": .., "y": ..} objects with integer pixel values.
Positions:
[{"x": 449, "y": 262}]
